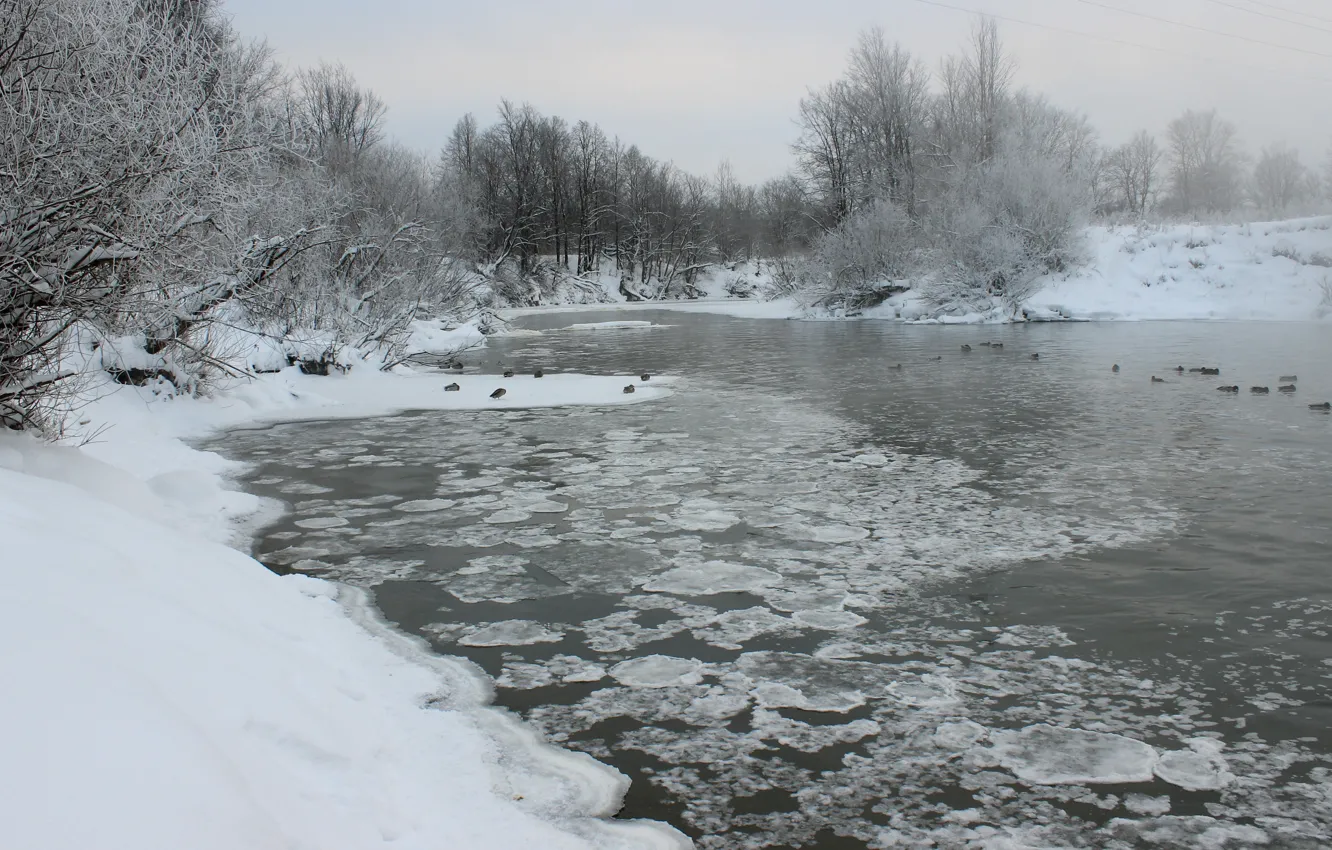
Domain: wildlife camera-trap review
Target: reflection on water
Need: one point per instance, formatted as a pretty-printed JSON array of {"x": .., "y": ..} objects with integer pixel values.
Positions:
[{"x": 816, "y": 600}]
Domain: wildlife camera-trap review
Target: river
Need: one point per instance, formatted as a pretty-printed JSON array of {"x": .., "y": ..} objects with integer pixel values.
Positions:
[{"x": 851, "y": 586}]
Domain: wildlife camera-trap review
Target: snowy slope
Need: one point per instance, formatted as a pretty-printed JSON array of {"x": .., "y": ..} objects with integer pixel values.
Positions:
[
  {"x": 165, "y": 691},
  {"x": 1272, "y": 271}
]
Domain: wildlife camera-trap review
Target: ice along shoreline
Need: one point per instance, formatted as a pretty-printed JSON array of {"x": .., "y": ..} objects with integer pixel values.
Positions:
[{"x": 256, "y": 710}]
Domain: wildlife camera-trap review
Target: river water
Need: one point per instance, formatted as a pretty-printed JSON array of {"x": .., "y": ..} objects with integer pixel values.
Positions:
[{"x": 813, "y": 599}]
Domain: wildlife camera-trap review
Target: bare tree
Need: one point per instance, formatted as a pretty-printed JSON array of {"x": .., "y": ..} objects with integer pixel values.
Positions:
[
  {"x": 1134, "y": 169},
  {"x": 1279, "y": 178},
  {"x": 1205, "y": 162},
  {"x": 343, "y": 119},
  {"x": 824, "y": 147},
  {"x": 889, "y": 95}
]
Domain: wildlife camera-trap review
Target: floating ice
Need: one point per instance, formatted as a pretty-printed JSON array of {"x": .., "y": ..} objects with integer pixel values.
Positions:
[
  {"x": 421, "y": 506},
  {"x": 829, "y": 620},
  {"x": 703, "y": 520},
  {"x": 570, "y": 668},
  {"x": 871, "y": 460},
  {"x": 791, "y": 680},
  {"x": 959, "y": 735},
  {"x": 808, "y": 737},
  {"x": 1143, "y": 804},
  {"x": 522, "y": 676},
  {"x": 928, "y": 691},
  {"x": 507, "y": 516},
  {"x": 1033, "y": 636},
  {"x": 610, "y": 326},
  {"x": 512, "y": 633},
  {"x": 303, "y": 488},
  {"x": 320, "y": 522},
  {"x": 546, "y": 506},
  {"x": 292, "y": 554},
  {"x": 1200, "y": 768},
  {"x": 712, "y": 577},
  {"x": 658, "y": 671},
  {"x": 731, "y": 629},
  {"x": 1053, "y": 755}
]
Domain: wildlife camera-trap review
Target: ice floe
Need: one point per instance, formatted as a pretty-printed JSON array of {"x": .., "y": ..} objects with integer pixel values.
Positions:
[
  {"x": 1053, "y": 755},
  {"x": 658, "y": 671},
  {"x": 712, "y": 577},
  {"x": 511, "y": 633}
]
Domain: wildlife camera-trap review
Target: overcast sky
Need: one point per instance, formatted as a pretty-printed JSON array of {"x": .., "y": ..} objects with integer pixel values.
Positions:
[{"x": 700, "y": 81}]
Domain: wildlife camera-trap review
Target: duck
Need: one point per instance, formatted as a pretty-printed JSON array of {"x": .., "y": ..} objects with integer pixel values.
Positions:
[
  {"x": 645, "y": 377},
  {"x": 508, "y": 373},
  {"x": 937, "y": 358},
  {"x": 1327, "y": 405},
  {"x": 629, "y": 389},
  {"x": 1179, "y": 369},
  {"x": 997, "y": 345},
  {"x": 896, "y": 367},
  {"x": 1210, "y": 371},
  {"x": 986, "y": 344},
  {"x": 1286, "y": 388},
  {"x": 1156, "y": 380},
  {"x": 1289, "y": 379},
  {"x": 456, "y": 366},
  {"x": 499, "y": 393},
  {"x": 538, "y": 374},
  {"x": 1035, "y": 357},
  {"x": 1259, "y": 390},
  {"x": 1196, "y": 371},
  {"x": 452, "y": 388},
  {"x": 1114, "y": 368},
  {"x": 966, "y": 348},
  {"x": 1231, "y": 389}
]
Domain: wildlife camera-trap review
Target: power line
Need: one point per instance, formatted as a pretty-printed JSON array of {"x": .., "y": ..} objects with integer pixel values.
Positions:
[
  {"x": 1272, "y": 17},
  {"x": 1290, "y": 11},
  {"x": 1175, "y": 54},
  {"x": 1203, "y": 29}
]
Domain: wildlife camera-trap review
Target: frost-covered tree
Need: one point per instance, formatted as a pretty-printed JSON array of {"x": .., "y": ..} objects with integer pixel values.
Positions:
[
  {"x": 133, "y": 141},
  {"x": 1279, "y": 178},
  {"x": 1206, "y": 165}
]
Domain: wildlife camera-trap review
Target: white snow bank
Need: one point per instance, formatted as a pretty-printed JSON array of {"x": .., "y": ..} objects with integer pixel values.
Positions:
[
  {"x": 165, "y": 691},
  {"x": 435, "y": 337},
  {"x": 1272, "y": 271},
  {"x": 1275, "y": 271}
]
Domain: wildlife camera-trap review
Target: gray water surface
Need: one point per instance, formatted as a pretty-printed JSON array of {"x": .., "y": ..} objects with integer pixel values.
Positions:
[{"x": 811, "y": 599}]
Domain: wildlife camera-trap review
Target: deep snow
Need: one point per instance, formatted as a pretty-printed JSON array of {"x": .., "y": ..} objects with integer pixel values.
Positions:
[{"x": 164, "y": 691}]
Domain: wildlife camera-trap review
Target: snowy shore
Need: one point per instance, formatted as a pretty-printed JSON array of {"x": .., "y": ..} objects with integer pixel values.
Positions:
[
  {"x": 1267, "y": 271},
  {"x": 164, "y": 690}
]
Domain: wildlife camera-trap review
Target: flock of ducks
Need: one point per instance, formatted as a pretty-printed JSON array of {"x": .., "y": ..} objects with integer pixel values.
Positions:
[
  {"x": 1287, "y": 382},
  {"x": 1287, "y": 385},
  {"x": 500, "y": 392}
]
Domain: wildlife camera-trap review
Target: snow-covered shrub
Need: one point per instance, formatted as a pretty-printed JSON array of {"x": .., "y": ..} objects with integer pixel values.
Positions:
[
  {"x": 741, "y": 285},
  {"x": 1287, "y": 250},
  {"x": 1006, "y": 223},
  {"x": 861, "y": 262}
]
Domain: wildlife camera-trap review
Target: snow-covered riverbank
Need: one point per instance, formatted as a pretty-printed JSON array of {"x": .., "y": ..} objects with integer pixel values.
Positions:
[
  {"x": 1270, "y": 271},
  {"x": 166, "y": 691}
]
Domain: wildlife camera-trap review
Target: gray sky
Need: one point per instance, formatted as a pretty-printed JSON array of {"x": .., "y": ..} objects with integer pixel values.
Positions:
[{"x": 699, "y": 81}]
